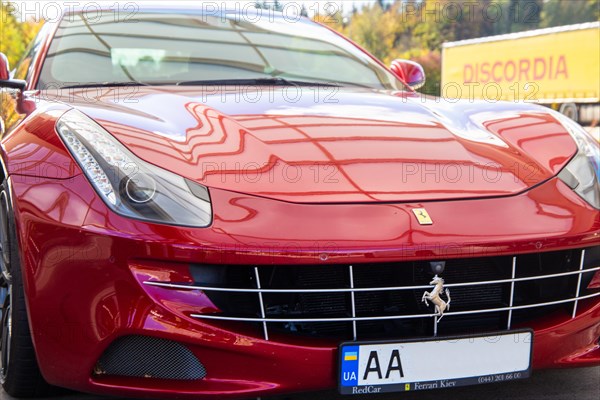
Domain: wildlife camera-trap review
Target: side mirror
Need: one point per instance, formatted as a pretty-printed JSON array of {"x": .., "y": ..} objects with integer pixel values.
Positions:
[
  {"x": 410, "y": 72},
  {"x": 5, "y": 81}
]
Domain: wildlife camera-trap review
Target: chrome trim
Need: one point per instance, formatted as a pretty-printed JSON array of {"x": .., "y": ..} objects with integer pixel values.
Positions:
[
  {"x": 262, "y": 305},
  {"x": 578, "y": 282},
  {"x": 350, "y": 313},
  {"x": 370, "y": 289},
  {"x": 390, "y": 317},
  {"x": 512, "y": 291},
  {"x": 350, "y": 268}
]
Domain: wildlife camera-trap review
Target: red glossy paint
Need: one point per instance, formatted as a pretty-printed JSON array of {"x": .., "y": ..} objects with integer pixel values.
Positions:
[
  {"x": 409, "y": 72},
  {"x": 4, "y": 72},
  {"x": 364, "y": 147},
  {"x": 84, "y": 283},
  {"x": 288, "y": 183},
  {"x": 595, "y": 282}
]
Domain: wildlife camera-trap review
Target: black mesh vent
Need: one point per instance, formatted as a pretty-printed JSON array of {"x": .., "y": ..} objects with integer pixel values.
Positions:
[{"x": 149, "y": 357}]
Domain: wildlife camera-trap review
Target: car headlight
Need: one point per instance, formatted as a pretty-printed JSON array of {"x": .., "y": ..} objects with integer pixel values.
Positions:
[
  {"x": 128, "y": 185},
  {"x": 582, "y": 174}
]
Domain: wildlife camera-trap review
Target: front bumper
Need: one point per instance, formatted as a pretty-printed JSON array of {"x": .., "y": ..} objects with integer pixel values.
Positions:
[{"x": 82, "y": 268}]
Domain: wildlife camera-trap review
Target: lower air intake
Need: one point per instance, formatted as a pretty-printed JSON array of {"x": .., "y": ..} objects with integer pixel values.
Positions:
[{"x": 149, "y": 357}]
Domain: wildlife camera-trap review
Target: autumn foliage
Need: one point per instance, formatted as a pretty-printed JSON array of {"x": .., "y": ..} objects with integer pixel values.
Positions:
[
  {"x": 15, "y": 35},
  {"x": 416, "y": 29},
  {"x": 390, "y": 29}
]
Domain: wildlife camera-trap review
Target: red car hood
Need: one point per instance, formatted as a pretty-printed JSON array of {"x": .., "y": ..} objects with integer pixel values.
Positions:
[{"x": 322, "y": 145}]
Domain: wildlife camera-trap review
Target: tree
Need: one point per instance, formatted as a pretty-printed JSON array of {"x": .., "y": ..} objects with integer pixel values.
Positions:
[
  {"x": 416, "y": 29},
  {"x": 304, "y": 11},
  {"x": 274, "y": 5},
  {"x": 521, "y": 15},
  {"x": 384, "y": 4},
  {"x": 15, "y": 35},
  {"x": 374, "y": 29},
  {"x": 557, "y": 12}
]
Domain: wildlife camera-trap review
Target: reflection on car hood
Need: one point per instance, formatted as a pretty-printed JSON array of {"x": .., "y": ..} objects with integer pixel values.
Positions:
[{"x": 334, "y": 145}]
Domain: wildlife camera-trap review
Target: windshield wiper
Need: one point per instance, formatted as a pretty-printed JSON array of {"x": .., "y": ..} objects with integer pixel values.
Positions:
[
  {"x": 109, "y": 84},
  {"x": 254, "y": 81},
  {"x": 275, "y": 81}
]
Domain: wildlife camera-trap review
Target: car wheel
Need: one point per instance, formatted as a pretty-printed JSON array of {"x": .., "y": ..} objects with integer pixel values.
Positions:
[
  {"x": 570, "y": 110},
  {"x": 19, "y": 372}
]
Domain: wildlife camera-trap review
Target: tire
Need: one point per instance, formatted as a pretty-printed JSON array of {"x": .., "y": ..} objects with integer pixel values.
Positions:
[
  {"x": 19, "y": 372},
  {"x": 570, "y": 110}
]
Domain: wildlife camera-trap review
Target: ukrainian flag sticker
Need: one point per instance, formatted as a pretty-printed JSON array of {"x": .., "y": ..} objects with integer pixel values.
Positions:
[{"x": 349, "y": 376}]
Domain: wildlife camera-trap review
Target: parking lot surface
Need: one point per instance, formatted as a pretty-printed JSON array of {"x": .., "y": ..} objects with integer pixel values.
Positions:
[{"x": 580, "y": 384}]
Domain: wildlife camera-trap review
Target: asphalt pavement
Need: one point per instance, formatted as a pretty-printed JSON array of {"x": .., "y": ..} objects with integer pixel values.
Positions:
[{"x": 579, "y": 384}]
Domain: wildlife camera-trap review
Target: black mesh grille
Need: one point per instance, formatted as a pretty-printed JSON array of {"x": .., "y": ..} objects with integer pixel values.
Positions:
[{"x": 149, "y": 357}]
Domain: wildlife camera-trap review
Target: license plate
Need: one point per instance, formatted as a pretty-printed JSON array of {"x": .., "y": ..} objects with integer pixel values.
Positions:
[{"x": 434, "y": 363}]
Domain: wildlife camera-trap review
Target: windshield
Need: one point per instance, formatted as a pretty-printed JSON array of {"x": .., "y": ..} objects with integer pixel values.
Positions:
[{"x": 188, "y": 48}]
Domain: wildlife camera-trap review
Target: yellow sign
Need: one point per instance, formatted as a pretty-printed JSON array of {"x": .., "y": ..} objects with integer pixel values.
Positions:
[
  {"x": 549, "y": 66},
  {"x": 422, "y": 216}
]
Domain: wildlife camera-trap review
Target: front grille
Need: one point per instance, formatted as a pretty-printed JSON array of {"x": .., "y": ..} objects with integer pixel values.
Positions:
[{"x": 384, "y": 300}]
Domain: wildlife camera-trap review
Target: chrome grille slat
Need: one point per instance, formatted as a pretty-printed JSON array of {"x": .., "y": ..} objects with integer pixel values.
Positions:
[
  {"x": 578, "y": 282},
  {"x": 354, "y": 335},
  {"x": 372, "y": 289},
  {"x": 512, "y": 291},
  {"x": 391, "y": 317},
  {"x": 262, "y": 304},
  {"x": 359, "y": 301}
]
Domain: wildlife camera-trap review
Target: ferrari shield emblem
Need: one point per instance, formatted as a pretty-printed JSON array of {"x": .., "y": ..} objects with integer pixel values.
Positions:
[{"x": 422, "y": 216}]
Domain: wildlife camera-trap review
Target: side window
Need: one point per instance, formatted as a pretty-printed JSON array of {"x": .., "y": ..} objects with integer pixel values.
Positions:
[
  {"x": 25, "y": 63},
  {"x": 24, "y": 66}
]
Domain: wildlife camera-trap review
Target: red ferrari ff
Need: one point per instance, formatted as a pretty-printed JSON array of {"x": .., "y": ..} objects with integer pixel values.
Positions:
[{"x": 210, "y": 204}]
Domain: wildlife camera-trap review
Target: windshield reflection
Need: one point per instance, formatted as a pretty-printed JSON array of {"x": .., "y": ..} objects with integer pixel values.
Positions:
[{"x": 159, "y": 48}]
